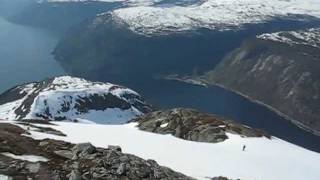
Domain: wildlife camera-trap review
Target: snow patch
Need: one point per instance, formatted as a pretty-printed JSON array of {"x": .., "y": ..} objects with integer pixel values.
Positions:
[
  {"x": 164, "y": 125},
  {"x": 4, "y": 177},
  {"x": 30, "y": 158},
  {"x": 310, "y": 37}
]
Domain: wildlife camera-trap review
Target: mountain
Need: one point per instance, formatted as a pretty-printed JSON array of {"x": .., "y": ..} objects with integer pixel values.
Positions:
[
  {"x": 280, "y": 70},
  {"x": 162, "y": 38},
  {"x": 70, "y": 98},
  {"x": 211, "y": 14}
]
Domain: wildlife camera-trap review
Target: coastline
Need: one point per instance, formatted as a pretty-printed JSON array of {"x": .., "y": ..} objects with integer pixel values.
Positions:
[{"x": 205, "y": 84}]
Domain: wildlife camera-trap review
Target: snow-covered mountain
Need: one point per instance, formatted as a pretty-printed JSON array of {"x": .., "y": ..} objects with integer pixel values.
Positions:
[
  {"x": 211, "y": 14},
  {"x": 149, "y": 17},
  {"x": 69, "y": 98}
]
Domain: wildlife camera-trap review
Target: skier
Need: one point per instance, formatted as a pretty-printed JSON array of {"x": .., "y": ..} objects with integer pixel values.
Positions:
[{"x": 244, "y": 148}]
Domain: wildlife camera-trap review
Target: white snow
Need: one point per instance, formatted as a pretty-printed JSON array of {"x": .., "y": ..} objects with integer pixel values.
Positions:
[
  {"x": 263, "y": 159},
  {"x": 310, "y": 37},
  {"x": 212, "y": 14},
  {"x": 7, "y": 111},
  {"x": 66, "y": 91},
  {"x": 164, "y": 125},
  {"x": 30, "y": 158},
  {"x": 4, "y": 177}
]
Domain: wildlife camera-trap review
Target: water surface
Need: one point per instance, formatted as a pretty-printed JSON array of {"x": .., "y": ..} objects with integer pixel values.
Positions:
[{"x": 25, "y": 55}]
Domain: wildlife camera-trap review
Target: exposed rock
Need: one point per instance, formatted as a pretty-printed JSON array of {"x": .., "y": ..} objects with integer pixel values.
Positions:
[
  {"x": 91, "y": 162},
  {"x": 195, "y": 126},
  {"x": 83, "y": 149},
  {"x": 121, "y": 169},
  {"x": 220, "y": 178},
  {"x": 74, "y": 175},
  {"x": 43, "y": 143},
  {"x": 64, "y": 153},
  {"x": 116, "y": 148},
  {"x": 33, "y": 167},
  {"x": 30, "y": 126}
]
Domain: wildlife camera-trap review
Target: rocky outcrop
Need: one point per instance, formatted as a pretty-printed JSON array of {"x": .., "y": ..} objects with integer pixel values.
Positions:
[
  {"x": 280, "y": 70},
  {"x": 194, "y": 126},
  {"x": 69, "y": 98},
  {"x": 72, "y": 161}
]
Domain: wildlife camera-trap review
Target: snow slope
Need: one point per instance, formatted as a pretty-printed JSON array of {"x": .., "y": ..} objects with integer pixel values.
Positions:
[
  {"x": 212, "y": 14},
  {"x": 69, "y": 98},
  {"x": 309, "y": 37},
  {"x": 263, "y": 159}
]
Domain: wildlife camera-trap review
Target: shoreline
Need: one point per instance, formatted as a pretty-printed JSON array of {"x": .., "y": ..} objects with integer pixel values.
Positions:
[{"x": 203, "y": 83}]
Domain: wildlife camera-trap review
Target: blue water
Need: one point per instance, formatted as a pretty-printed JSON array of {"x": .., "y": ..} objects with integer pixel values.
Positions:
[
  {"x": 216, "y": 100},
  {"x": 25, "y": 55}
]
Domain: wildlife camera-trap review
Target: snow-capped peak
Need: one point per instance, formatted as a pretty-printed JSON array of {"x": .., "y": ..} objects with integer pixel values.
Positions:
[{"x": 69, "y": 98}]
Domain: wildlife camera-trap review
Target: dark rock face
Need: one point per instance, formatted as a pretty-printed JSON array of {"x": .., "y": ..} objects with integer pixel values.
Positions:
[
  {"x": 282, "y": 75},
  {"x": 195, "y": 126},
  {"x": 87, "y": 162}
]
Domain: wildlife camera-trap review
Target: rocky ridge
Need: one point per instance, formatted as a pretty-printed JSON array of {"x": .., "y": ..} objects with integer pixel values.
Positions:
[
  {"x": 62, "y": 160},
  {"x": 193, "y": 125}
]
